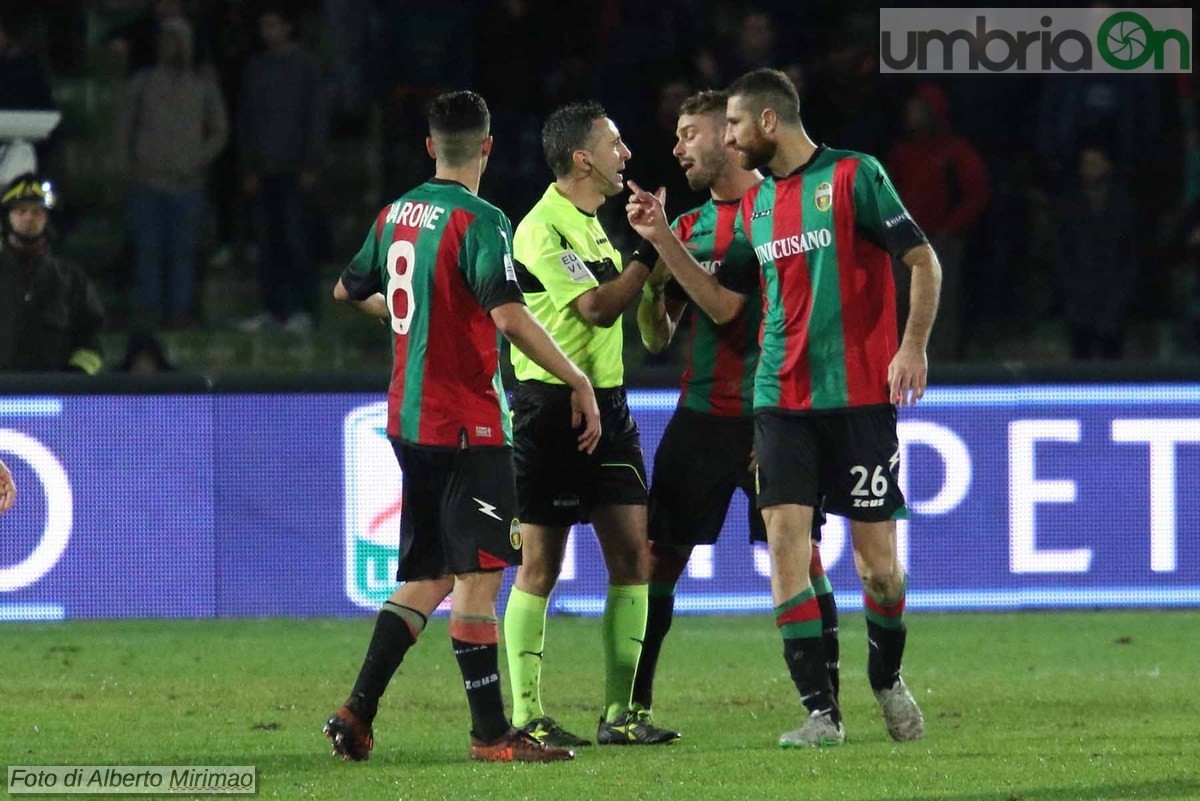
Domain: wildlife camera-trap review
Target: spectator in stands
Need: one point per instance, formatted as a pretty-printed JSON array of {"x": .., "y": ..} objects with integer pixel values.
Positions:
[
  {"x": 281, "y": 138},
  {"x": 755, "y": 47},
  {"x": 1097, "y": 256},
  {"x": 24, "y": 82},
  {"x": 144, "y": 355},
  {"x": 170, "y": 128},
  {"x": 136, "y": 43},
  {"x": 1126, "y": 109},
  {"x": 944, "y": 183},
  {"x": 50, "y": 314}
]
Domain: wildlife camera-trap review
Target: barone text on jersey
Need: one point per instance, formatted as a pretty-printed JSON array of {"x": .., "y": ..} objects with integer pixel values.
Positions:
[
  {"x": 415, "y": 215},
  {"x": 793, "y": 245}
]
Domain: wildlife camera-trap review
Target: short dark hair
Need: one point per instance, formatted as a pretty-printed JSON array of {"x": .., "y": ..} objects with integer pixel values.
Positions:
[
  {"x": 710, "y": 101},
  {"x": 767, "y": 88},
  {"x": 566, "y": 130},
  {"x": 285, "y": 12},
  {"x": 456, "y": 121}
]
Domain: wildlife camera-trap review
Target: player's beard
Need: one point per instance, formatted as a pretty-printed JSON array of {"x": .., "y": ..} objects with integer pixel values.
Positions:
[
  {"x": 757, "y": 154},
  {"x": 705, "y": 171}
]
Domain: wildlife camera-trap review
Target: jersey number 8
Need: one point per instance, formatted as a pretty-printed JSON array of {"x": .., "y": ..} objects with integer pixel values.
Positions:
[{"x": 400, "y": 257}]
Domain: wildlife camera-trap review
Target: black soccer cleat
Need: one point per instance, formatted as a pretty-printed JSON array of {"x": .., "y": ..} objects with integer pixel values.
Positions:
[
  {"x": 351, "y": 736},
  {"x": 634, "y": 727},
  {"x": 547, "y": 731}
]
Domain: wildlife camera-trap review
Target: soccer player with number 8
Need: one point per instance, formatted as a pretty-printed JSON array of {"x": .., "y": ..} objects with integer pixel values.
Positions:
[{"x": 438, "y": 264}]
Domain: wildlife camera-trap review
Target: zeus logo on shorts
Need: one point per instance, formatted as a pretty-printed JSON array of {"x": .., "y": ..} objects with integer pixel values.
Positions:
[{"x": 488, "y": 509}]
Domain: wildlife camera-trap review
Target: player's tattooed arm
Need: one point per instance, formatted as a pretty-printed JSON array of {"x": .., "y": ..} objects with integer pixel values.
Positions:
[
  {"x": 648, "y": 218},
  {"x": 658, "y": 315},
  {"x": 909, "y": 370},
  {"x": 375, "y": 305}
]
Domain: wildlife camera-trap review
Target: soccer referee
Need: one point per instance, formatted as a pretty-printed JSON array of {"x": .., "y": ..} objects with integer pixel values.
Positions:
[{"x": 573, "y": 281}]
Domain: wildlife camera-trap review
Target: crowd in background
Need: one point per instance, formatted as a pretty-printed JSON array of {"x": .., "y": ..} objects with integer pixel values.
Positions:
[{"x": 1065, "y": 197}]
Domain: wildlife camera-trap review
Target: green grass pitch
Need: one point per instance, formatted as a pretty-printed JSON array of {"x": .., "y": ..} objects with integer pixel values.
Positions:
[{"x": 1019, "y": 707}]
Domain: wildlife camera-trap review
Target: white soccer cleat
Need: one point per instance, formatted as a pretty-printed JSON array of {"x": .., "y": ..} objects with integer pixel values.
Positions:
[
  {"x": 819, "y": 731},
  {"x": 901, "y": 713}
]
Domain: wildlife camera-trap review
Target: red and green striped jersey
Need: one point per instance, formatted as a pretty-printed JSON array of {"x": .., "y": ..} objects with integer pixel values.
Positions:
[
  {"x": 721, "y": 359},
  {"x": 440, "y": 255},
  {"x": 824, "y": 237}
]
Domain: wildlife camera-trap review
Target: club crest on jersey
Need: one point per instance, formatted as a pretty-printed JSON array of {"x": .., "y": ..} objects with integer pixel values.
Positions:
[
  {"x": 514, "y": 534},
  {"x": 823, "y": 197}
]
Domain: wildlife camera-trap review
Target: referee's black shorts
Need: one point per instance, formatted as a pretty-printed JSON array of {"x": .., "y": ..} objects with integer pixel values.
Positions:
[{"x": 558, "y": 484}]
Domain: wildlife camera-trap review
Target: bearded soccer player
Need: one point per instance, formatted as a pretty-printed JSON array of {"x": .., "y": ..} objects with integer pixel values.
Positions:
[
  {"x": 574, "y": 283},
  {"x": 824, "y": 225},
  {"x": 706, "y": 450},
  {"x": 436, "y": 263}
]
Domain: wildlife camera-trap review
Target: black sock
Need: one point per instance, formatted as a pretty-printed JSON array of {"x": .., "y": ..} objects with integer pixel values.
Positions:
[
  {"x": 829, "y": 638},
  {"x": 480, "y": 670},
  {"x": 391, "y": 640},
  {"x": 886, "y": 650},
  {"x": 805, "y": 657},
  {"x": 658, "y": 622}
]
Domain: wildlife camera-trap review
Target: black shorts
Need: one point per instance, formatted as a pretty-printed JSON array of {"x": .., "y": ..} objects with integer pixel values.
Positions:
[
  {"x": 458, "y": 512},
  {"x": 558, "y": 484},
  {"x": 701, "y": 460},
  {"x": 849, "y": 459}
]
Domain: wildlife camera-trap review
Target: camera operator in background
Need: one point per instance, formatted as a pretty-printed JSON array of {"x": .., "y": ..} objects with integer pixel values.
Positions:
[{"x": 50, "y": 313}]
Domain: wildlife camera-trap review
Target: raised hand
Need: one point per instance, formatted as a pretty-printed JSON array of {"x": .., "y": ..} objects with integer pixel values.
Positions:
[{"x": 646, "y": 212}]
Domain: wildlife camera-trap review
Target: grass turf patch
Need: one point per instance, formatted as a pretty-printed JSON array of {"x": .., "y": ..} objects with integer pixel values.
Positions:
[{"x": 1019, "y": 707}]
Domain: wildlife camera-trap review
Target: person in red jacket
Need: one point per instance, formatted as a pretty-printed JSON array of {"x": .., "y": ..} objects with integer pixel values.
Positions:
[{"x": 945, "y": 185}]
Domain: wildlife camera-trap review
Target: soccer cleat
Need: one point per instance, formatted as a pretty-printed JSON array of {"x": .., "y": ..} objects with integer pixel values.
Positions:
[
  {"x": 901, "y": 713},
  {"x": 634, "y": 727},
  {"x": 547, "y": 732},
  {"x": 819, "y": 731},
  {"x": 351, "y": 736},
  {"x": 517, "y": 746}
]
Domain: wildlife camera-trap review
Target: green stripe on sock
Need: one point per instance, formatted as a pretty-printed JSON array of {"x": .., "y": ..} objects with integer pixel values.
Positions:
[
  {"x": 821, "y": 585},
  {"x": 795, "y": 631},
  {"x": 883, "y": 622},
  {"x": 796, "y": 600},
  {"x": 659, "y": 590}
]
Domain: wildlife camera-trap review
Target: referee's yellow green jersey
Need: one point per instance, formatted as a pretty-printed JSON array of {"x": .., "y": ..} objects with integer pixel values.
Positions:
[{"x": 560, "y": 253}]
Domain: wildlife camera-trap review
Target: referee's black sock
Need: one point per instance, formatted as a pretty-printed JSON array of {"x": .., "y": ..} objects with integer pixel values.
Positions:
[
  {"x": 475, "y": 648},
  {"x": 396, "y": 630}
]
